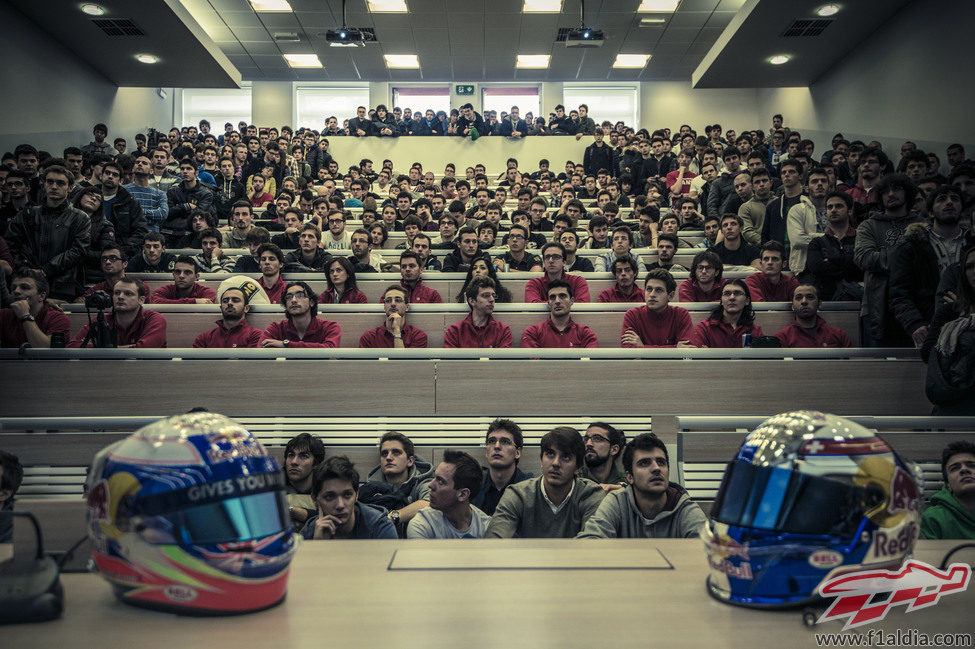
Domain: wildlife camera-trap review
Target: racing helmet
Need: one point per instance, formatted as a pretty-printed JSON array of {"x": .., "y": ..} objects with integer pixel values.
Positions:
[
  {"x": 808, "y": 496},
  {"x": 188, "y": 515}
]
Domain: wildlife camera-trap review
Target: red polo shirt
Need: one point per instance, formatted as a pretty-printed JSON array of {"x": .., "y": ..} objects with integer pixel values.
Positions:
[
  {"x": 718, "y": 333},
  {"x": 544, "y": 334},
  {"x": 614, "y": 294},
  {"x": 381, "y": 338},
  {"x": 658, "y": 329},
  {"x": 465, "y": 334},
  {"x": 241, "y": 335},
  {"x": 147, "y": 330},
  {"x": 536, "y": 290},
  {"x": 320, "y": 333},
  {"x": 824, "y": 336},
  {"x": 421, "y": 294},
  {"x": 169, "y": 295},
  {"x": 275, "y": 292},
  {"x": 763, "y": 290},
  {"x": 48, "y": 319},
  {"x": 355, "y": 296},
  {"x": 690, "y": 291}
]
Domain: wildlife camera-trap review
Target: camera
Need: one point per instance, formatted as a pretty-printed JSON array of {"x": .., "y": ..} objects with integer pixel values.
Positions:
[{"x": 99, "y": 300}]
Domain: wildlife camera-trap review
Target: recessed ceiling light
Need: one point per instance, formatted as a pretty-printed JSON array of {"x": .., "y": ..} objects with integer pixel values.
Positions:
[
  {"x": 147, "y": 58},
  {"x": 828, "y": 10},
  {"x": 631, "y": 60},
  {"x": 93, "y": 9},
  {"x": 402, "y": 61},
  {"x": 270, "y": 5},
  {"x": 658, "y": 5},
  {"x": 303, "y": 60},
  {"x": 779, "y": 59},
  {"x": 387, "y": 6},
  {"x": 652, "y": 21},
  {"x": 542, "y": 6},
  {"x": 532, "y": 61}
]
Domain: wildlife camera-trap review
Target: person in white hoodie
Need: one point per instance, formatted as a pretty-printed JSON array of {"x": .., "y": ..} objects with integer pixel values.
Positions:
[{"x": 651, "y": 506}]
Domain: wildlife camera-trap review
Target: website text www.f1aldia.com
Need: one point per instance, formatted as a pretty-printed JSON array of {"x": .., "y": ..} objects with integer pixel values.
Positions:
[{"x": 897, "y": 638}]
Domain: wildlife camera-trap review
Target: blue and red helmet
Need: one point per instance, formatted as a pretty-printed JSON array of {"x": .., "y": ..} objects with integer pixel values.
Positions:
[
  {"x": 809, "y": 496},
  {"x": 188, "y": 514}
]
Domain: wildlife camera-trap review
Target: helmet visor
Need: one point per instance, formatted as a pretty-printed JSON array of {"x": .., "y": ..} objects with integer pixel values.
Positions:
[
  {"x": 228, "y": 521},
  {"x": 781, "y": 500}
]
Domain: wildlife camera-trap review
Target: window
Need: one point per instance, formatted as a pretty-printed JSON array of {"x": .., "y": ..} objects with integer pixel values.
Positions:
[
  {"x": 421, "y": 98},
  {"x": 218, "y": 106},
  {"x": 502, "y": 98},
  {"x": 314, "y": 105},
  {"x": 612, "y": 103}
]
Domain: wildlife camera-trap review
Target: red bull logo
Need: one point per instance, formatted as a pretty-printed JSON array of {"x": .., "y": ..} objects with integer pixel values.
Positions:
[
  {"x": 916, "y": 585},
  {"x": 728, "y": 547},
  {"x": 903, "y": 493}
]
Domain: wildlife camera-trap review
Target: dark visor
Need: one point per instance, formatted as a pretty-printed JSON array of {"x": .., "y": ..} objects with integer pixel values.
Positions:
[
  {"x": 780, "y": 500},
  {"x": 229, "y": 521}
]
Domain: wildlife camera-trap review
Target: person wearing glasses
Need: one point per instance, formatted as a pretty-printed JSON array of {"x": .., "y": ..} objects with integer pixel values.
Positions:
[
  {"x": 502, "y": 450},
  {"x": 730, "y": 321},
  {"x": 336, "y": 238},
  {"x": 553, "y": 264},
  {"x": 53, "y": 237},
  {"x": 302, "y": 327},
  {"x": 394, "y": 332},
  {"x": 604, "y": 445}
]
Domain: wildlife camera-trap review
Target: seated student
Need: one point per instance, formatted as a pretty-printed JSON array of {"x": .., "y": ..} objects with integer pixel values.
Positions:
[
  {"x": 411, "y": 278},
  {"x": 951, "y": 513},
  {"x": 113, "y": 265},
  {"x": 271, "y": 260},
  {"x": 621, "y": 245},
  {"x": 502, "y": 450},
  {"x": 129, "y": 323},
  {"x": 288, "y": 240},
  {"x": 625, "y": 289},
  {"x": 558, "y": 329},
  {"x": 487, "y": 234},
  {"x": 657, "y": 324},
  {"x": 533, "y": 240},
  {"x": 260, "y": 187},
  {"x": 483, "y": 268},
  {"x": 730, "y": 320},
  {"x": 573, "y": 263},
  {"x": 771, "y": 285},
  {"x": 450, "y": 515},
  {"x": 412, "y": 226},
  {"x": 423, "y": 247},
  {"x": 517, "y": 258},
  {"x": 302, "y": 327},
  {"x": 232, "y": 328},
  {"x": 242, "y": 218},
  {"x": 604, "y": 443},
  {"x": 154, "y": 258},
  {"x": 365, "y": 257},
  {"x": 598, "y": 233},
  {"x": 479, "y": 329},
  {"x": 256, "y": 238},
  {"x": 712, "y": 226},
  {"x": 401, "y": 481},
  {"x": 666, "y": 249},
  {"x": 705, "y": 282},
  {"x": 335, "y": 485},
  {"x": 11, "y": 476},
  {"x": 448, "y": 229},
  {"x": 211, "y": 258},
  {"x": 459, "y": 260},
  {"x": 809, "y": 329},
  {"x": 185, "y": 288},
  {"x": 342, "y": 287},
  {"x": 309, "y": 256},
  {"x": 556, "y": 505},
  {"x": 30, "y": 317},
  {"x": 337, "y": 237},
  {"x": 651, "y": 506},
  {"x": 302, "y": 455},
  {"x": 553, "y": 260},
  {"x": 394, "y": 332},
  {"x": 733, "y": 251}
]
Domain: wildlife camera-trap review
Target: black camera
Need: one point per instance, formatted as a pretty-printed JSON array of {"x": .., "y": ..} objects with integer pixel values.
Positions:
[{"x": 99, "y": 300}]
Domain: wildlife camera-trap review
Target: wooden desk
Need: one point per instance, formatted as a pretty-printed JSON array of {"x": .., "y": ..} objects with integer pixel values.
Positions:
[{"x": 343, "y": 594}]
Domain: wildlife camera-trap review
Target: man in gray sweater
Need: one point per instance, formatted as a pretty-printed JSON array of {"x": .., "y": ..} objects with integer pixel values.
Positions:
[
  {"x": 555, "y": 505},
  {"x": 651, "y": 506}
]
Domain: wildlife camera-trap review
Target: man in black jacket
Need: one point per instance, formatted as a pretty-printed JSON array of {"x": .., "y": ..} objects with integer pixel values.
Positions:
[
  {"x": 360, "y": 125},
  {"x": 561, "y": 124},
  {"x": 469, "y": 119},
  {"x": 229, "y": 190},
  {"x": 830, "y": 257},
  {"x": 122, "y": 210},
  {"x": 598, "y": 155},
  {"x": 188, "y": 195}
]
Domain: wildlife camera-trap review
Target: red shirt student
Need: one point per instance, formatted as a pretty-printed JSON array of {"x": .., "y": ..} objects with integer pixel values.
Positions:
[
  {"x": 625, "y": 289},
  {"x": 132, "y": 325},
  {"x": 553, "y": 263},
  {"x": 185, "y": 288},
  {"x": 559, "y": 330},
  {"x": 411, "y": 273},
  {"x": 301, "y": 328},
  {"x": 770, "y": 285},
  {"x": 479, "y": 329},
  {"x": 342, "y": 288},
  {"x": 30, "y": 318},
  {"x": 394, "y": 332},
  {"x": 730, "y": 320},
  {"x": 271, "y": 261},
  {"x": 809, "y": 329},
  {"x": 705, "y": 282},
  {"x": 657, "y": 324},
  {"x": 232, "y": 329}
]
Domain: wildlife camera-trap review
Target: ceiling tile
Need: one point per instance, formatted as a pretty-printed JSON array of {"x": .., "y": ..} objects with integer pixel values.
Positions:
[
  {"x": 232, "y": 5},
  {"x": 266, "y": 49},
  {"x": 236, "y": 19},
  {"x": 689, "y": 19},
  {"x": 697, "y": 5},
  {"x": 428, "y": 19},
  {"x": 675, "y": 35},
  {"x": 252, "y": 34}
]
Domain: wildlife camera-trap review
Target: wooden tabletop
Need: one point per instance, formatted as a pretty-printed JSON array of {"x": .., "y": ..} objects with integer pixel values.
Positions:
[{"x": 350, "y": 594}]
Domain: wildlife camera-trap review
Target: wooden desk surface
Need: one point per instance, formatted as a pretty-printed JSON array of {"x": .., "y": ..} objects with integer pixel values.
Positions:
[{"x": 342, "y": 594}]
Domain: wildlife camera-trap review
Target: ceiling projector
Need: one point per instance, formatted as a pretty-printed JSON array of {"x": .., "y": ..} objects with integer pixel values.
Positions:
[
  {"x": 584, "y": 37},
  {"x": 345, "y": 37}
]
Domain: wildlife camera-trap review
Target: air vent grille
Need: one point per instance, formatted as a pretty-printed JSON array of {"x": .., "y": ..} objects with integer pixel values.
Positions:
[
  {"x": 118, "y": 27},
  {"x": 801, "y": 28},
  {"x": 563, "y": 34}
]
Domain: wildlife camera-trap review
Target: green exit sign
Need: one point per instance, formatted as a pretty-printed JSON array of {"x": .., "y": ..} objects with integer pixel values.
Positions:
[{"x": 465, "y": 90}]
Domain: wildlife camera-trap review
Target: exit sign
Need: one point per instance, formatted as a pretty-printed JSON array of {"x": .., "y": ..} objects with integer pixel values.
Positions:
[{"x": 465, "y": 90}]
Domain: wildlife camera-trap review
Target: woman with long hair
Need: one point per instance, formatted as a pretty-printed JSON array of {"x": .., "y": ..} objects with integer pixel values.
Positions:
[
  {"x": 949, "y": 349},
  {"x": 89, "y": 201},
  {"x": 342, "y": 288},
  {"x": 481, "y": 268},
  {"x": 730, "y": 321}
]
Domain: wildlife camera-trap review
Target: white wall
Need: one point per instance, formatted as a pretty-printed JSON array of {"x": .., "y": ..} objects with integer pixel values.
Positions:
[
  {"x": 668, "y": 104},
  {"x": 52, "y": 99},
  {"x": 910, "y": 80}
]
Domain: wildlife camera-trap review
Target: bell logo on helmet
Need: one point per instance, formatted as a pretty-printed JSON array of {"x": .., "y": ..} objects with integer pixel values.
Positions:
[
  {"x": 178, "y": 593},
  {"x": 825, "y": 559}
]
